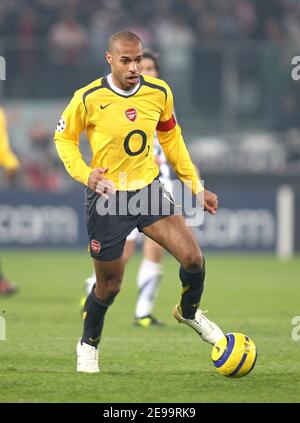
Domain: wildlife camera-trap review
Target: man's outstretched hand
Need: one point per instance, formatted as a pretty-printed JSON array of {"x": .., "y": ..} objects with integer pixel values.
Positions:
[
  {"x": 209, "y": 201},
  {"x": 97, "y": 182}
]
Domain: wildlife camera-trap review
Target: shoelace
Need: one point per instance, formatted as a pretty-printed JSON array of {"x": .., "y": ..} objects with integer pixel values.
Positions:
[
  {"x": 202, "y": 312},
  {"x": 92, "y": 354},
  {"x": 93, "y": 360}
]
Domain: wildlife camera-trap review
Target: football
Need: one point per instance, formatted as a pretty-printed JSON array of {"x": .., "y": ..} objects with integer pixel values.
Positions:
[{"x": 234, "y": 355}]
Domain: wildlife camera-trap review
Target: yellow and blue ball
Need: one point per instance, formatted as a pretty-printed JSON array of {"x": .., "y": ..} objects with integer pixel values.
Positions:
[{"x": 234, "y": 355}]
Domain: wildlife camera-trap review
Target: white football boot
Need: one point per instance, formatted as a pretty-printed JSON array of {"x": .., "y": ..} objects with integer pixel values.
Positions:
[
  {"x": 87, "y": 358},
  {"x": 208, "y": 330}
]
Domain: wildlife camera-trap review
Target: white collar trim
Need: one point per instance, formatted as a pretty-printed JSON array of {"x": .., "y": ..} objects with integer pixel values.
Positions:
[{"x": 118, "y": 90}]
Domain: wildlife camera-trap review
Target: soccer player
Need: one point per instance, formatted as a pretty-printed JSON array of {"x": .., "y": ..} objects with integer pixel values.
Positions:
[
  {"x": 10, "y": 164},
  {"x": 150, "y": 271},
  {"x": 121, "y": 113}
]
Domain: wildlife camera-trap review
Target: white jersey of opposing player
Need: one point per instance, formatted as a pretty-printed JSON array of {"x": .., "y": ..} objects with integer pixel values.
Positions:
[{"x": 164, "y": 167}]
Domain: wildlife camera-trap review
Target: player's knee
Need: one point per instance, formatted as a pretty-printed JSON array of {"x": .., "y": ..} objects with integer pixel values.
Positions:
[
  {"x": 113, "y": 286},
  {"x": 108, "y": 288},
  {"x": 192, "y": 260}
]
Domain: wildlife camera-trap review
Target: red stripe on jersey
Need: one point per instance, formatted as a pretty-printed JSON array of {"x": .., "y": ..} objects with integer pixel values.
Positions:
[{"x": 167, "y": 125}]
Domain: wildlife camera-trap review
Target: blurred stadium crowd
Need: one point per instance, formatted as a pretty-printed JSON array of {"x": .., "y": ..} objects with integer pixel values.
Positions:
[
  {"x": 228, "y": 61},
  {"x": 83, "y": 22},
  {"x": 37, "y": 34}
]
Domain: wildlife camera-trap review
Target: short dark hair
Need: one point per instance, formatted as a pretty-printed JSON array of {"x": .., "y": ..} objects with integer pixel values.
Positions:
[
  {"x": 123, "y": 36},
  {"x": 150, "y": 54}
]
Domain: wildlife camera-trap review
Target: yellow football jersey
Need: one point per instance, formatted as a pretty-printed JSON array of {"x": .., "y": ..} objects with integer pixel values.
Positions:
[
  {"x": 120, "y": 129},
  {"x": 7, "y": 158}
]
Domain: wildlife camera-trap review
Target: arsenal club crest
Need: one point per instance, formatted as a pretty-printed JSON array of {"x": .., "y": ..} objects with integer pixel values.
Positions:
[
  {"x": 131, "y": 114},
  {"x": 95, "y": 246}
]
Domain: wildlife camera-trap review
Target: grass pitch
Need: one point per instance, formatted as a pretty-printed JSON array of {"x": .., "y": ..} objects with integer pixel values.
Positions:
[{"x": 256, "y": 295}]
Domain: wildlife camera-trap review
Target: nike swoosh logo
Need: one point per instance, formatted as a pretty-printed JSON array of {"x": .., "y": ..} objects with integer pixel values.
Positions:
[{"x": 103, "y": 107}]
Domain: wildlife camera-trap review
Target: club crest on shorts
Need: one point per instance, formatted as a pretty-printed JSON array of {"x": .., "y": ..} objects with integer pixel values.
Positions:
[
  {"x": 95, "y": 246},
  {"x": 131, "y": 114}
]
